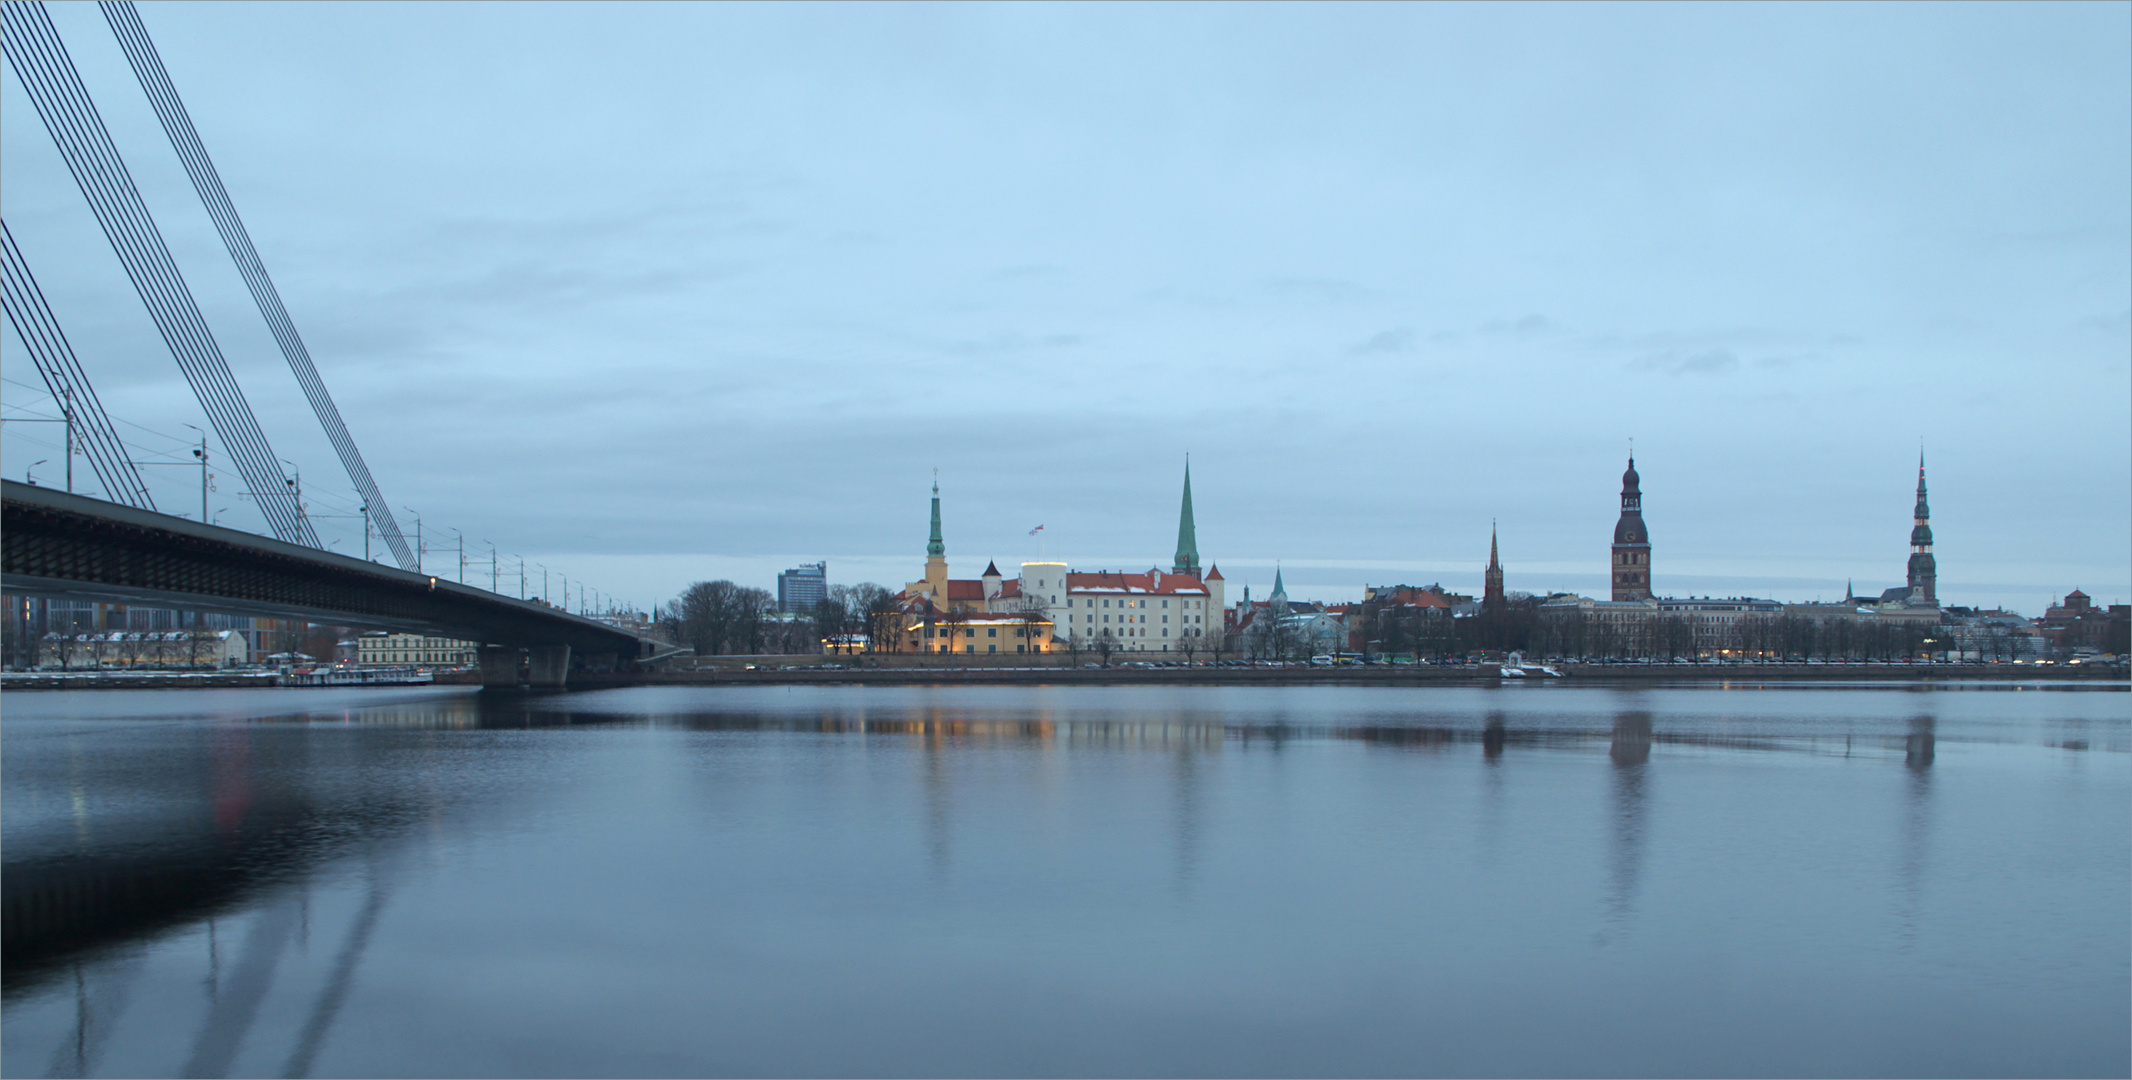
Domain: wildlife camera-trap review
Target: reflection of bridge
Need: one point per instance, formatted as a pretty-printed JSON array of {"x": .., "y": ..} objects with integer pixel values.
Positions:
[{"x": 58, "y": 544}]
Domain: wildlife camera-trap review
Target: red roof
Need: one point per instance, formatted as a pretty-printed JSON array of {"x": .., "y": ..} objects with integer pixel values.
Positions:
[
  {"x": 973, "y": 589},
  {"x": 1214, "y": 574},
  {"x": 1154, "y": 582}
]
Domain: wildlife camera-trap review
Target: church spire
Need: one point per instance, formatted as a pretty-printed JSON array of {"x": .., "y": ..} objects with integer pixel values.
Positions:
[
  {"x": 1492, "y": 578},
  {"x": 936, "y": 553},
  {"x": 935, "y": 546},
  {"x": 1924, "y": 569},
  {"x": 1278, "y": 598},
  {"x": 1187, "y": 535}
]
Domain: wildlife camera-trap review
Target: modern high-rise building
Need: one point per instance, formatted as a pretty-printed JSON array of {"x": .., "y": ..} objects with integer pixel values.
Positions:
[
  {"x": 802, "y": 587},
  {"x": 1632, "y": 542}
]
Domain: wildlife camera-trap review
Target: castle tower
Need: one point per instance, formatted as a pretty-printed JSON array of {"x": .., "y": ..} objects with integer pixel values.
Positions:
[
  {"x": 1924, "y": 569},
  {"x": 1187, "y": 561},
  {"x": 936, "y": 556},
  {"x": 1492, "y": 579},
  {"x": 1632, "y": 542}
]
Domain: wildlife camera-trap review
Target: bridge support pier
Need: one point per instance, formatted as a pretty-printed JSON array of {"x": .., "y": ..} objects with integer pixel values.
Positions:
[
  {"x": 499, "y": 667},
  {"x": 548, "y": 665}
]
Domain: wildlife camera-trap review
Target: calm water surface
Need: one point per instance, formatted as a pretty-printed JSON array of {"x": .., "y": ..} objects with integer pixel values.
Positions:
[{"x": 1311, "y": 880}]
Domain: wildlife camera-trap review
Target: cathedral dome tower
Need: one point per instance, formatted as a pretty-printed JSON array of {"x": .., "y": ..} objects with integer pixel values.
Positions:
[{"x": 1632, "y": 542}]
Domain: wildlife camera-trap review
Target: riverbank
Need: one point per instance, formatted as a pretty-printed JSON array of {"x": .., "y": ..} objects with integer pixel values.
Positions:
[
  {"x": 1122, "y": 674},
  {"x": 1378, "y": 674}
]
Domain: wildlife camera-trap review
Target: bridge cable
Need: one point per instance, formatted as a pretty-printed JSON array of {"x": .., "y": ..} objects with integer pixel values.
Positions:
[
  {"x": 41, "y": 62},
  {"x": 49, "y": 75},
  {"x": 216, "y": 400},
  {"x": 132, "y": 34},
  {"x": 49, "y": 349},
  {"x": 72, "y": 119}
]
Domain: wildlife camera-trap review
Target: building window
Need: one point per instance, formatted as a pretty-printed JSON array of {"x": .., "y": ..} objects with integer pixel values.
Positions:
[{"x": 992, "y": 631}]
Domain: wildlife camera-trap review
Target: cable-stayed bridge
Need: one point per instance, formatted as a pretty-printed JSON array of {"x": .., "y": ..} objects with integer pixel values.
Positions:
[{"x": 122, "y": 548}]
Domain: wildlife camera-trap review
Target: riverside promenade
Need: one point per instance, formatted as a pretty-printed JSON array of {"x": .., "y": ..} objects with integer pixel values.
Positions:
[
  {"x": 772, "y": 671},
  {"x": 1375, "y": 674}
]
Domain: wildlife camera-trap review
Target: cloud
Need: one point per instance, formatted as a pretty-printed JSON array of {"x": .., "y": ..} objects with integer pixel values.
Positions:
[
  {"x": 1707, "y": 362},
  {"x": 1399, "y": 339},
  {"x": 1528, "y": 326},
  {"x": 1322, "y": 290}
]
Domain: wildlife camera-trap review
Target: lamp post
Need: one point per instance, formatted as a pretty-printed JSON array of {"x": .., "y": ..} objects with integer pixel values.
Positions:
[
  {"x": 66, "y": 411},
  {"x": 366, "y": 532},
  {"x": 418, "y": 538},
  {"x": 201, "y": 453},
  {"x": 29, "y": 475},
  {"x": 462, "y": 555},
  {"x": 295, "y": 483}
]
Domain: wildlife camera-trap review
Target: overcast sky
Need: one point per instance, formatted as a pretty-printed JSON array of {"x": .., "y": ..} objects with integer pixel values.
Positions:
[{"x": 652, "y": 294}]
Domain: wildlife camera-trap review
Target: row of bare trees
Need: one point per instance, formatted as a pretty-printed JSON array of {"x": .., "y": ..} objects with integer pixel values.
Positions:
[
  {"x": 1786, "y": 637},
  {"x": 721, "y": 618}
]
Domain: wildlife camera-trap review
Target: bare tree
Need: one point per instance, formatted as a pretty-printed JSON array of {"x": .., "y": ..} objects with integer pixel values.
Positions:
[
  {"x": 1104, "y": 644},
  {"x": 1031, "y": 620},
  {"x": 954, "y": 622}
]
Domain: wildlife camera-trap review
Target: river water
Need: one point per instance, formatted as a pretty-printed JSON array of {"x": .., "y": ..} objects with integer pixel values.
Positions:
[{"x": 1303, "y": 880}]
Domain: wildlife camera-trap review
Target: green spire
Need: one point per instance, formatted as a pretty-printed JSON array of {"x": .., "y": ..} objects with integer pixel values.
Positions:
[
  {"x": 1279, "y": 595},
  {"x": 1187, "y": 536},
  {"x": 934, "y": 546}
]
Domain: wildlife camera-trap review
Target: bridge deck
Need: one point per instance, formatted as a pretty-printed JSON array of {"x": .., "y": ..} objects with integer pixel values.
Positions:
[{"x": 56, "y": 544}]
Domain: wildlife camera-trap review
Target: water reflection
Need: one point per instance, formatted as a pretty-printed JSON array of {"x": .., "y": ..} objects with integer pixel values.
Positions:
[
  {"x": 1493, "y": 736},
  {"x": 99, "y": 997},
  {"x": 329, "y": 1002},
  {"x": 1630, "y": 751},
  {"x": 206, "y": 841},
  {"x": 1916, "y": 835}
]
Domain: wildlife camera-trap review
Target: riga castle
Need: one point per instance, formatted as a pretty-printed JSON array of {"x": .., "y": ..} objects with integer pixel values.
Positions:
[{"x": 1050, "y": 606}]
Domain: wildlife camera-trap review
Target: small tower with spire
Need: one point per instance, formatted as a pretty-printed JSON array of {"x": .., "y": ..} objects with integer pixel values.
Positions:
[
  {"x": 1632, "y": 542},
  {"x": 1187, "y": 560},
  {"x": 936, "y": 553},
  {"x": 1492, "y": 595},
  {"x": 1277, "y": 600},
  {"x": 1924, "y": 569}
]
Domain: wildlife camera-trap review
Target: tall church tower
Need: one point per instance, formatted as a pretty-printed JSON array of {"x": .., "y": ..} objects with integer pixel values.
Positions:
[
  {"x": 1492, "y": 595},
  {"x": 1187, "y": 561},
  {"x": 936, "y": 556},
  {"x": 1632, "y": 542},
  {"x": 1924, "y": 570}
]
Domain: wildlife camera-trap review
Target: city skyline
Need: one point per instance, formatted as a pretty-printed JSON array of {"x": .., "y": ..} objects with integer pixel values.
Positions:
[{"x": 1387, "y": 273}]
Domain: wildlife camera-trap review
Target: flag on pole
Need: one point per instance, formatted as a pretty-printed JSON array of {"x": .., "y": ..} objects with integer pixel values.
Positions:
[{"x": 1036, "y": 530}]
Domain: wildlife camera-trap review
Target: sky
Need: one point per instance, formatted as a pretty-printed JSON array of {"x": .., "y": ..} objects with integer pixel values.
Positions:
[{"x": 651, "y": 294}]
